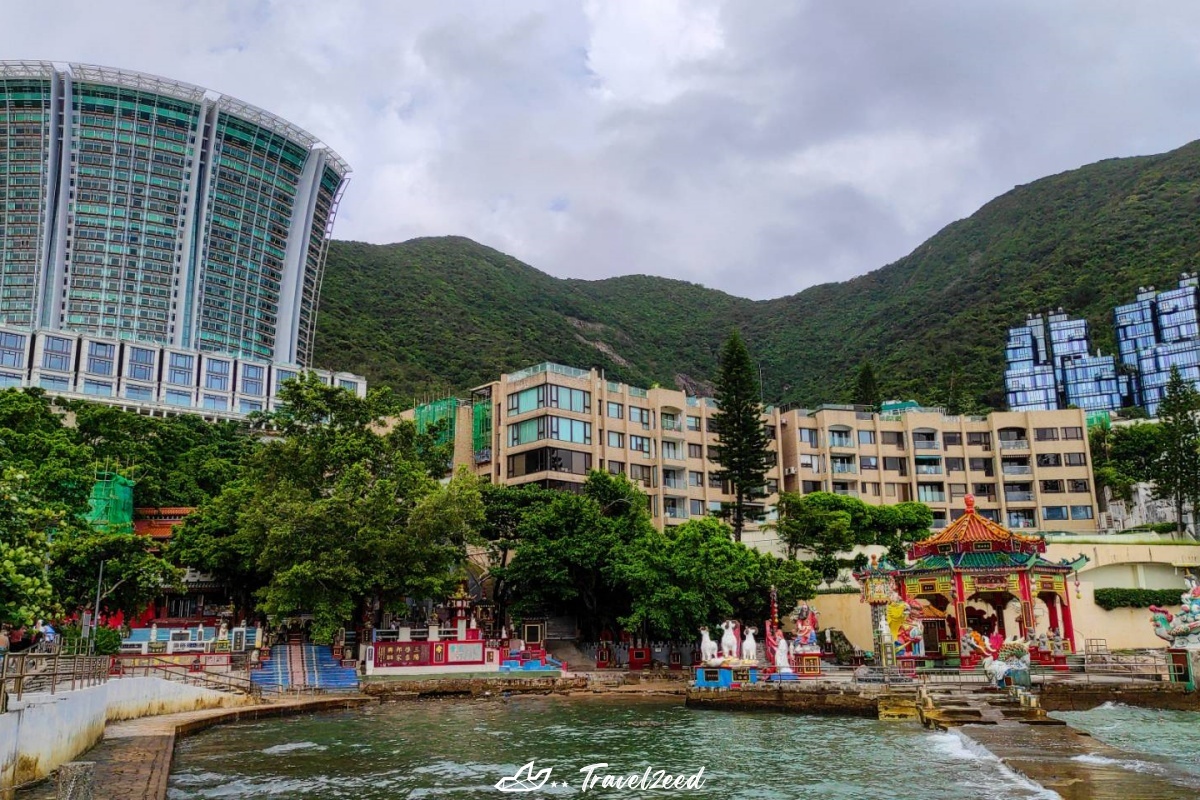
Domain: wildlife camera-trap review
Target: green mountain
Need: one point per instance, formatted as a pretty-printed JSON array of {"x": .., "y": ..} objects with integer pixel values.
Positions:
[{"x": 438, "y": 315}]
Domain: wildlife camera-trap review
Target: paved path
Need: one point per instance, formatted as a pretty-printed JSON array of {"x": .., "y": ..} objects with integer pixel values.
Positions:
[{"x": 134, "y": 759}]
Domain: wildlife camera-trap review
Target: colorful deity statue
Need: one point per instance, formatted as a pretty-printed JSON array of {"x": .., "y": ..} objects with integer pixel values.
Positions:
[
  {"x": 1183, "y": 629},
  {"x": 807, "y": 625}
]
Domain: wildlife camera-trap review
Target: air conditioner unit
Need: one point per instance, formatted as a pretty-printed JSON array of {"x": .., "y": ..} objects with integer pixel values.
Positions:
[{"x": 789, "y": 470}]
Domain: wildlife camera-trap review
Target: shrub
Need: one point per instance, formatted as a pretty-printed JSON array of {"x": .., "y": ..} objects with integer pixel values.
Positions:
[
  {"x": 108, "y": 640},
  {"x": 1108, "y": 599}
]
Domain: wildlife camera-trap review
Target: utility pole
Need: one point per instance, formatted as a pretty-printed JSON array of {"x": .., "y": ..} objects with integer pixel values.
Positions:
[{"x": 96, "y": 612}]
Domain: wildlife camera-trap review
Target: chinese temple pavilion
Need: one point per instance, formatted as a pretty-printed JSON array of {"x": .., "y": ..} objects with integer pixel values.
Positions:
[{"x": 974, "y": 569}]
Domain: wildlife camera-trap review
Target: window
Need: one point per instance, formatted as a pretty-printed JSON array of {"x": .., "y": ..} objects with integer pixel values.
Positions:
[
  {"x": 896, "y": 464},
  {"x": 139, "y": 393},
  {"x": 175, "y": 397},
  {"x": 1073, "y": 434},
  {"x": 1081, "y": 512},
  {"x": 983, "y": 439},
  {"x": 57, "y": 354},
  {"x": 616, "y": 467},
  {"x": 1078, "y": 486},
  {"x": 1052, "y": 487},
  {"x": 958, "y": 491},
  {"x": 558, "y": 428},
  {"x": 808, "y": 487},
  {"x": 249, "y": 406},
  {"x": 955, "y": 465},
  {"x": 216, "y": 375},
  {"x": 893, "y": 437},
  {"x": 12, "y": 350},
  {"x": 181, "y": 371},
  {"x": 1049, "y": 460},
  {"x": 715, "y": 507},
  {"x": 9, "y": 379},
  {"x": 840, "y": 438},
  {"x": 952, "y": 440},
  {"x": 866, "y": 437},
  {"x": 640, "y": 443},
  {"x": 1045, "y": 434},
  {"x": 695, "y": 478},
  {"x": 695, "y": 451},
  {"x": 869, "y": 462},
  {"x": 100, "y": 359},
  {"x": 615, "y": 410},
  {"x": 986, "y": 490},
  {"x": 870, "y": 489},
  {"x": 141, "y": 363},
  {"x": 984, "y": 465},
  {"x": 693, "y": 423},
  {"x": 551, "y": 395},
  {"x": 55, "y": 384},
  {"x": 696, "y": 507},
  {"x": 1054, "y": 513},
  {"x": 672, "y": 451},
  {"x": 214, "y": 402},
  {"x": 640, "y": 416},
  {"x": 715, "y": 481},
  {"x": 252, "y": 380},
  {"x": 616, "y": 439},
  {"x": 98, "y": 388},
  {"x": 889, "y": 489},
  {"x": 549, "y": 459},
  {"x": 349, "y": 386},
  {"x": 1075, "y": 459},
  {"x": 641, "y": 473},
  {"x": 808, "y": 436}
]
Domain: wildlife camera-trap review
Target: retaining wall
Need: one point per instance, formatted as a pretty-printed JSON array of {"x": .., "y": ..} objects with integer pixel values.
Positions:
[{"x": 42, "y": 731}]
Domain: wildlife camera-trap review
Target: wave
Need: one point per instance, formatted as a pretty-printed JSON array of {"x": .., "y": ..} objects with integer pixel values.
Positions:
[
  {"x": 291, "y": 747},
  {"x": 954, "y": 744}
]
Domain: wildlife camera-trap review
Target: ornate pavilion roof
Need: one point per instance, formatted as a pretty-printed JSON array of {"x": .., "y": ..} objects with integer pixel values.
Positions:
[
  {"x": 991, "y": 562},
  {"x": 975, "y": 534}
]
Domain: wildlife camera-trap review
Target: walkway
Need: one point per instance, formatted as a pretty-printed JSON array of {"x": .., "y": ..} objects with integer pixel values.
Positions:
[{"x": 134, "y": 759}]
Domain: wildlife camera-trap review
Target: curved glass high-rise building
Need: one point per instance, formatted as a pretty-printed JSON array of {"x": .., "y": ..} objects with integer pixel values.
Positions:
[{"x": 140, "y": 208}]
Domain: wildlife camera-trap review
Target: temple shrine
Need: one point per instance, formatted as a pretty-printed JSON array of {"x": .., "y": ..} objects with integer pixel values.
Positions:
[{"x": 970, "y": 588}]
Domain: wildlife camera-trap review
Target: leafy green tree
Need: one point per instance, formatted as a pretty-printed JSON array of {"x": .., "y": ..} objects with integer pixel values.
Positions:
[
  {"x": 134, "y": 574},
  {"x": 741, "y": 446},
  {"x": 567, "y": 548},
  {"x": 504, "y": 510},
  {"x": 897, "y": 526},
  {"x": 1176, "y": 472},
  {"x": 1123, "y": 457},
  {"x": 25, "y": 523},
  {"x": 805, "y": 524},
  {"x": 58, "y": 470},
  {"x": 866, "y": 389}
]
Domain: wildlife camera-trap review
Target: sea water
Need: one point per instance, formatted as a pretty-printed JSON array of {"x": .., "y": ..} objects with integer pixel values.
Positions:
[
  {"x": 1151, "y": 737},
  {"x": 462, "y": 748}
]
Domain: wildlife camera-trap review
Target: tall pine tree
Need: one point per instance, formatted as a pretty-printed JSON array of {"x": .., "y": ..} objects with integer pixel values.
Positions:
[
  {"x": 741, "y": 448},
  {"x": 1176, "y": 472},
  {"x": 866, "y": 392}
]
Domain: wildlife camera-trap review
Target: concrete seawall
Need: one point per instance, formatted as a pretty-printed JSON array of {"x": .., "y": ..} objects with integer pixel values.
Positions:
[
  {"x": 794, "y": 698},
  {"x": 41, "y": 731}
]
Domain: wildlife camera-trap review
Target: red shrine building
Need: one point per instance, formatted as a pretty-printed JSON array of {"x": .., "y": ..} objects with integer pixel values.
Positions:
[{"x": 973, "y": 571}]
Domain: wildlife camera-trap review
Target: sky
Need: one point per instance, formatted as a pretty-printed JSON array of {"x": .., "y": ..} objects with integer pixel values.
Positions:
[{"x": 758, "y": 147}]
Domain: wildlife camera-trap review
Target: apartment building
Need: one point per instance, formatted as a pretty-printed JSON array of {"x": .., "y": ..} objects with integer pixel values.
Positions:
[
  {"x": 1027, "y": 470},
  {"x": 550, "y": 425}
]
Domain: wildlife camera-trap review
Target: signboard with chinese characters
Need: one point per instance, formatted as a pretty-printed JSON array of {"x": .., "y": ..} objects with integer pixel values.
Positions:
[{"x": 465, "y": 652}]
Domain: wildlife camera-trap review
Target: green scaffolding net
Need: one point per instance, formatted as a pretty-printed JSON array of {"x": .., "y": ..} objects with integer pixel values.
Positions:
[
  {"x": 481, "y": 430},
  {"x": 111, "y": 503},
  {"x": 437, "y": 418}
]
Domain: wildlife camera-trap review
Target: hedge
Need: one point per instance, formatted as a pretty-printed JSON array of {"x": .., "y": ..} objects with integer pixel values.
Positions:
[{"x": 1108, "y": 599}]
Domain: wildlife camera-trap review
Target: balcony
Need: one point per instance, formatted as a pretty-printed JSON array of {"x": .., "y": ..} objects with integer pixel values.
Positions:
[
  {"x": 849, "y": 469},
  {"x": 929, "y": 469},
  {"x": 844, "y": 442},
  {"x": 1016, "y": 469},
  {"x": 846, "y": 492},
  {"x": 671, "y": 424},
  {"x": 925, "y": 444},
  {"x": 675, "y": 483},
  {"x": 1018, "y": 497},
  {"x": 672, "y": 455},
  {"x": 1014, "y": 444},
  {"x": 673, "y": 512},
  {"x": 931, "y": 497}
]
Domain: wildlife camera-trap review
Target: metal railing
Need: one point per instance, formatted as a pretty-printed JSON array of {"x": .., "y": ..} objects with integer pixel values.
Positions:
[
  {"x": 1016, "y": 469},
  {"x": 1018, "y": 497},
  {"x": 49, "y": 670},
  {"x": 1014, "y": 444},
  {"x": 152, "y": 666}
]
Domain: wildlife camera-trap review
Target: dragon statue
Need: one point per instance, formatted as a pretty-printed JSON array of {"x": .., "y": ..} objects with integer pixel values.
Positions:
[{"x": 1182, "y": 629}]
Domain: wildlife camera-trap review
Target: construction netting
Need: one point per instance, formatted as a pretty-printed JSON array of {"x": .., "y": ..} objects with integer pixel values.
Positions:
[
  {"x": 481, "y": 430},
  {"x": 438, "y": 418},
  {"x": 111, "y": 503}
]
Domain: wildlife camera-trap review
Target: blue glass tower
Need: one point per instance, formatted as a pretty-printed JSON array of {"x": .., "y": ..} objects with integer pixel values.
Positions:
[
  {"x": 1050, "y": 366},
  {"x": 1158, "y": 332}
]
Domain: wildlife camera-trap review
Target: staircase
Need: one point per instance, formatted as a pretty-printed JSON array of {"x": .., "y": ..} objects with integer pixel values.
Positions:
[{"x": 296, "y": 666}]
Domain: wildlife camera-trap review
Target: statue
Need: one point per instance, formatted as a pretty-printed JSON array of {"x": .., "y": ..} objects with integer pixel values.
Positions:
[
  {"x": 708, "y": 648},
  {"x": 729, "y": 642},
  {"x": 783, "y": 665},
  {"x": 750, "y": 645},
  {"x": 911, "y": 635},
  {"x": 1181, "y": 630},
  {"x": 223, "y": 634}
]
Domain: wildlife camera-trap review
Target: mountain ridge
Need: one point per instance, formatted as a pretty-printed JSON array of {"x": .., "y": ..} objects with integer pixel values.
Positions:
[{"x": 436, "y": 315}]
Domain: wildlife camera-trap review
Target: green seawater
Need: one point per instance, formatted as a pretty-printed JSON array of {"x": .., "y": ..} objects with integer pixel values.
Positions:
[
  {"x": 460, "y": 749},
  {"x": 1152, "y": 738}
]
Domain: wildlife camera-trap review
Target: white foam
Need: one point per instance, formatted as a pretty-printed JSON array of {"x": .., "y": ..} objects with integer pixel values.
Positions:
[
  {"x": 1131, "y": 764},
  {"x": 975, "y": 750},
  {"x": 291, "y": 747}
]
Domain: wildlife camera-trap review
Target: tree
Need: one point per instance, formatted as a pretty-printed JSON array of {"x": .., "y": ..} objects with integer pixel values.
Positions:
[
  {"x": 898, "y": 526},
  {"x": 1123, "y": 457},
  {"x": 504, "y": 510},
  {"x": 866, "y": 389},
  {"x": 1176, "y": 471},
  {"x": 133, "y": 576},
  {"x": 741, "y": 447},
  {"x": 25, "y": 593}
]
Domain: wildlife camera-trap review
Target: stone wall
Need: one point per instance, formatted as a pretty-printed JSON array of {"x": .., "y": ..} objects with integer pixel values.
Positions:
[
  {"x": 1148, "y": 694},
  {"x": 791, "y": 698},
  {"x": 42, "y": 731},
  {"x": 474, "y": 687}
]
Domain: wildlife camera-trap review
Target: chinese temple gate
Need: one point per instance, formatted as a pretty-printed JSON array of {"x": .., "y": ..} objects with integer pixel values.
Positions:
[{"x": 975, "y": 566}]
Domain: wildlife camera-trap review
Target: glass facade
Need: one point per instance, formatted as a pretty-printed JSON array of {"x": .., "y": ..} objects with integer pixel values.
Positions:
[
  {"x": 1158, "y": 332},
  {"x": 1049, "y": 366},
  {"x": 157, "y": 211}
]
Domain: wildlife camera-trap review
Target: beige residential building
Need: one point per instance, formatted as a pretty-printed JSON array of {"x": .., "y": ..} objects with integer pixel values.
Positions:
[
  {"x": 1027, "y": 470},
  {"x": 549, "y": 425}
]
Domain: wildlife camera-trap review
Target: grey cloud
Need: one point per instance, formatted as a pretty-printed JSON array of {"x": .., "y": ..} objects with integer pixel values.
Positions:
[{"x": 754, "y": 147}]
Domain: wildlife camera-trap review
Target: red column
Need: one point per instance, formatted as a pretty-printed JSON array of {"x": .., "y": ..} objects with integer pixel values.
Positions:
[
  {"x": 1068, "y": 631},
  {"x": 1052, "y": 608},
  {"x": 1025, "y": 623}
]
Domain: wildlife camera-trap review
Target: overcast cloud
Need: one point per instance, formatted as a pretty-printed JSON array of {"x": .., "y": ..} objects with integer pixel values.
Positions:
[{"x": 757, "y": 147}]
